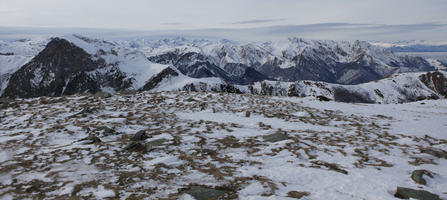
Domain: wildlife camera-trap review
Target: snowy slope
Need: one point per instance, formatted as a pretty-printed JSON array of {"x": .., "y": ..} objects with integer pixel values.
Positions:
[
  {"x": 229, "y": 146},
  {"x": 132, "y": 62},
  {"x": 14, "y": 54},
  {"x": 399, "y": 88}
]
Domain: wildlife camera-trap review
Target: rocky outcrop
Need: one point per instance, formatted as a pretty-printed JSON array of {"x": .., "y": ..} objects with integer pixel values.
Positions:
[
  {"x": 435, "y": 81},
  {"x": 407, "y": 193},
  {"x": 157, "y": 79}
]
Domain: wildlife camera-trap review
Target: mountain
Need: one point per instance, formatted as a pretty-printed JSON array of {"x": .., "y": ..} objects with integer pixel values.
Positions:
[
  {"x": 15, "y": 54},
  {"x": 399, "y": 88},
  {"x": 77, "y": 64},
  {"x": 288, "y": 60},
  {"x": 294, "y": 67}
]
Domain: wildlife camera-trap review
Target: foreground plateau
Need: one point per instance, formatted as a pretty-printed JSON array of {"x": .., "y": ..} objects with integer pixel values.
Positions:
[{"x": 187, "y": 145}]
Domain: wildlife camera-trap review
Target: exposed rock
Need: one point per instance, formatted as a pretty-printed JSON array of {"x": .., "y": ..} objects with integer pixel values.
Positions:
[
  {"x": 4, "y": 102},
  {"x": 52, "y": 72},
  {"x": 417, "y": 176},
  {"x": 85, "y": 111},
  {"x": 297, "y": 195},
  {"x": 157, "y": 79},
  {"x": 137, "y": 146},
  {"x": 140, "y": 136},
  {"x": 127, "y": 92},
  {"x": 323, "y": 98},
  {"x": 62, "y": 68},
  {"x": 107, "y": 131},
  {"x": 204, "y": 193},
  {"x": 101, "y": 94},
  {"x": 276, "y": 137},
  {"x": 208, "y": 152},
  {"x": 157, "y": 143},
  {"x": 435, "y": 152},
  {"x": 435, "y": 81},
  {"x": 407, "y": 193},
  {"x": 330, "y": 166},
  {"x": 344, "y": 95},
  {"x": 91, "y": 139}
]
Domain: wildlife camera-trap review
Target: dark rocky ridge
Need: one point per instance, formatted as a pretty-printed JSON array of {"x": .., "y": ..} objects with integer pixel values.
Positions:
[{"x": 63, "y": 68}]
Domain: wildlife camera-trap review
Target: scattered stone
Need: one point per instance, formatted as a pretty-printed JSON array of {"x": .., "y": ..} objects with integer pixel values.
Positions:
[
  {"x": 330, "y": 166},
  {"x": 137, "y": 146},
  {"x": 140, "y": 136},
  {"x": 204, "y": 193},
  {"x": 107, "y": 131},
  {"x": 91, "y": 139},
  {"x": 101, "y": 94},
  {"x": 435, "y": 152},
  {"x": 85, "y": 111},
  {"x": 157, "y": 143},
  {"x": 417, "y": 176},
  {"x": 190, "y": 99},
  {"x": 276, "y": 137},
  {"x": 247, "y": 113},
  {"x": 208, "y": 152},
  {"x": 407, "y": 193},
  {"x": 297, "y": 195}
]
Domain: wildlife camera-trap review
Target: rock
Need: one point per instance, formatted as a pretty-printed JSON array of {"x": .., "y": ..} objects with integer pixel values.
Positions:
[
  {"x": 190, "y": 99},
  {"x": 101, "y": 94},
  {"x": 323, "y": 98},
  {"x": 417, "y": 176},
  {"x": 91, "y": 139},
  {"x": 140, "y": 136},
  {"x": 107, "y": 131},
  {"x": 157, "y": 143},
  {"x": 407, "y": 193},
  {"x": 137, "y": 146},
  {"x": 157, "y": 79},
  {"x": 204, "y": 193},
  {"x": 208, "y": 152},
  {"x": 86, "y": 110},
  {"x": 128, "y": 92},
  {"x": 435, "y": 152},
  {"x": 276, "y": 137},
  {"x": 297, "y": 195},
  {"x": 4, "y": 102},
  {"x": 247, "y": 113}
]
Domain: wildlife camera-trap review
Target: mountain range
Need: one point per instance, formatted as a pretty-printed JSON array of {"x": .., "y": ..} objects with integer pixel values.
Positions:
[{"x": 335, "y": 70}]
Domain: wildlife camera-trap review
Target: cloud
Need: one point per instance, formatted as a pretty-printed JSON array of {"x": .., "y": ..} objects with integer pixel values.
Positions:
[
  {"x": 172, "y": 23},
  {"x": 321, "y": 31},
  {"x": 259, "y": 21}
]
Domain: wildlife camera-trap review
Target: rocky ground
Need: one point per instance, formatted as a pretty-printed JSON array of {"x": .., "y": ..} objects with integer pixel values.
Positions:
[{"x": 177, "y": 145}]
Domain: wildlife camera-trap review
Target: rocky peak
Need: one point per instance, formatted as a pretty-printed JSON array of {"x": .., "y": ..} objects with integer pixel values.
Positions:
[{"x": 52, "y": 71}]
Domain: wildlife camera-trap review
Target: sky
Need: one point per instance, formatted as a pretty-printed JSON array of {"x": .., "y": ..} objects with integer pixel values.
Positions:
[{"x": 423, "y": 19}]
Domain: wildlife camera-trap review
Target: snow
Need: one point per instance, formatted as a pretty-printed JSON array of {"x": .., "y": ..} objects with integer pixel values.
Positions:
[
  {"x": 218, "y": 144},
  {"x": 102, "y": 193},
  {"x": 428, "y": 117}
]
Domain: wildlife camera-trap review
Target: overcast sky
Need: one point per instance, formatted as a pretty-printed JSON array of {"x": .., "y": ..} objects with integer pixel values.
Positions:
[{"x": 224, "y": 14}]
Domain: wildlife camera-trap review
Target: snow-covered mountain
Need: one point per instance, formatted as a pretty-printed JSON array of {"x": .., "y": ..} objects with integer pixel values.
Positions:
[
  {"x": 288, "y": 60},
  {"x": 76, "y": 64},
  {"x": 399, "y": 88}
]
